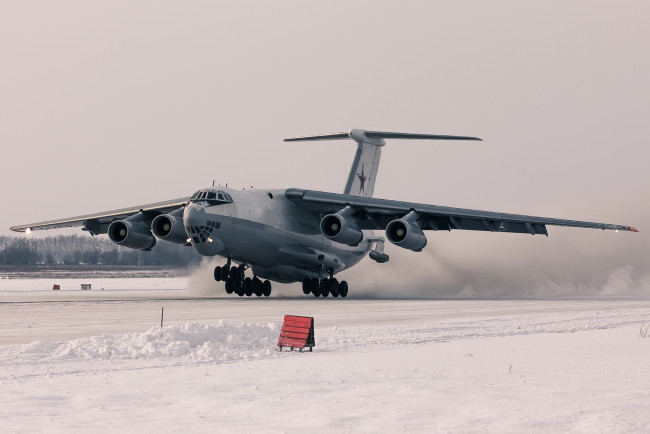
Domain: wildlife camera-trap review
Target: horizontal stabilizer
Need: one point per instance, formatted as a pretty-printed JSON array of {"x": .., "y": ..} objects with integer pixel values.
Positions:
[
  {"x": 359, "y": 135},
  {"x": 388, "y": 135},
  {"x": 331, "y": 136},
  {"x": 363, "y": 173}
]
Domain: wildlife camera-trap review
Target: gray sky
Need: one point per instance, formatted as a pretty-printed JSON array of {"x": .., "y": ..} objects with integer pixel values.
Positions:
[{"x": 110, "y": 104}]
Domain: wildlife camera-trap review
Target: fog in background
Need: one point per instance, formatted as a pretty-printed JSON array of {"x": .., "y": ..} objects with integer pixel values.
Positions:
[{"x": 109, "y": 104}]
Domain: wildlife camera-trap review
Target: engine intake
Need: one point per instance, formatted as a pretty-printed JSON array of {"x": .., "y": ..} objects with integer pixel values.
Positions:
[
  {"x": 131, "y": 233},
  {"x": 169, "y": 227},
  {"x": 340, "y": 227},
  {"x": 406, "y": 233}
]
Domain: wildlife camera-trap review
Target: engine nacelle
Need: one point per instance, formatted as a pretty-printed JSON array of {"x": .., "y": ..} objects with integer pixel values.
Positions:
[
  {"x": 406, "y": 234},
  {"x": 169, "y": 227},
  {"x": 340, "y": 227},
  {"x": 131, "y": 233}
]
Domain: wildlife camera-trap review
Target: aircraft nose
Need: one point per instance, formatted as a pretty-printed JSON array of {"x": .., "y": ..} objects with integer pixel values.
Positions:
[
  {"x": 200, "y": 227},
  {"x": 194, "y": 215}
]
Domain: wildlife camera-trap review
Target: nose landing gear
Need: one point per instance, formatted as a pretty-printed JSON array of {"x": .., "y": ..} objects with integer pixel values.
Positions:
[{"x": 235, "y": 281}]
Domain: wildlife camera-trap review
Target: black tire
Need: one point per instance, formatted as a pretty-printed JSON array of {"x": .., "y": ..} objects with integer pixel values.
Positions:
[
  {"x": 258, "y": 287},
  {"x": 234, "y": 272},
  {"x": 343, "y": 289},
  {"x": 306, "y": 285},
  {"x": 217, "y": 274},
  {"x": 325, "y": 286},
  {"x": 248, "y": 286},
  {"x": 267, "y": 288},
  {"x": 334, "y": 289},
  {"x": 225, "y": 273},
  {"x": 236, "y": 277},
  {"x": 333, "y": 286},
  {"x": 229, "y": 286}
]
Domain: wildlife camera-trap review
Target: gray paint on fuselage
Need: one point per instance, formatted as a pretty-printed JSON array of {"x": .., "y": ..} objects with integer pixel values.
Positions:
[{"x": 279, "y": 240}]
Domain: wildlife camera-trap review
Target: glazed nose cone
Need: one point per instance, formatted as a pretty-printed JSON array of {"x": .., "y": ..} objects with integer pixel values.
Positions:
[{"x": 200, "y": 228}]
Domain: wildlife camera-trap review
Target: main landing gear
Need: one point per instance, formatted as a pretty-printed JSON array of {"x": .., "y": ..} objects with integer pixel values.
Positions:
[
  {"x": 239, "y": 284},
  {"x": 325, "y": 287}
]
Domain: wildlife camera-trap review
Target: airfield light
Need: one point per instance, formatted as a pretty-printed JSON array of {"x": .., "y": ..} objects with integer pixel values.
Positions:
[
  {"x": 209, "y": 240},
  {"x": 28, "y": 231},
  {"x": 189, "y": 240},
  {"x": 616, "y": 230}
]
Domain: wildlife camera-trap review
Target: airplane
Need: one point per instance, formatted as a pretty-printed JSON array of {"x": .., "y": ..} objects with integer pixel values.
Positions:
[{"x": 295, "y": 235}]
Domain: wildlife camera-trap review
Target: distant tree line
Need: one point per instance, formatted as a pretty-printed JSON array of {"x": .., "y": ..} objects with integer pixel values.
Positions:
[{"x": 78, "y": 250}]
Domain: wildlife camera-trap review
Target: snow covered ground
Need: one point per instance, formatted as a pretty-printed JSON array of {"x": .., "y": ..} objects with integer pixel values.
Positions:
[{"x": 77, "y": 361}]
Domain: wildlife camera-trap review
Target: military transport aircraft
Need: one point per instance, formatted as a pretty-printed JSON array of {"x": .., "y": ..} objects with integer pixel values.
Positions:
[{"x": 299, "y": 235}]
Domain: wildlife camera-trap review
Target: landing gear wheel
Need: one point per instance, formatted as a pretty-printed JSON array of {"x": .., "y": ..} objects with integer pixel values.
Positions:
[
  {"x": 217, "y": 274},
  {"x": 306, "y": 285},
  {"x": 236, "y": 278},
  {"x": 229, "y": 286},
  {"x": 267, "y": 288},
  {"x": 314, "y": 287},
  {"x": 225, "y": 273},
  {"x": 324, "y": 287},
  {"x": 258, "y": 287},
  {"x": 343, "y": 288},
  {"x": 333, "y": 287},
  {"x": 248, "y": 286},
  {"x": 234, "y": 272}
]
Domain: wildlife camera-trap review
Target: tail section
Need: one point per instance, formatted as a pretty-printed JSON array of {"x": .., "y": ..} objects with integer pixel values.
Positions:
[{"x": 363, "y": 173}]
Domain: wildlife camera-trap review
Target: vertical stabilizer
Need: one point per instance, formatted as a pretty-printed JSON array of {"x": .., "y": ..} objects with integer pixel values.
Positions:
[{"x": 363, "y": 173}]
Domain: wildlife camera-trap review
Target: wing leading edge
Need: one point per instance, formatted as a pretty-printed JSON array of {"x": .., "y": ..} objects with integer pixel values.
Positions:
[
  {"x": 373, "y": 213},
  {"x": 98, "y": 223}
]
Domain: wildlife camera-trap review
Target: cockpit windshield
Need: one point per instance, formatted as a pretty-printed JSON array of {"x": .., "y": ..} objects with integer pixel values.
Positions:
[{"x": 212, "y": 197}]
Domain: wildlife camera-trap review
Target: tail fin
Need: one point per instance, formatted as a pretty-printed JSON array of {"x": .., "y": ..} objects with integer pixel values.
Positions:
[{"x": 363, "y": 173}]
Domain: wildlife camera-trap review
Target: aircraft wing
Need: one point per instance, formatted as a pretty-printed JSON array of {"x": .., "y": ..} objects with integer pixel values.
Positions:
[
  {"x": 373, "y": 213},
  {"x": 98, "y": 223}
]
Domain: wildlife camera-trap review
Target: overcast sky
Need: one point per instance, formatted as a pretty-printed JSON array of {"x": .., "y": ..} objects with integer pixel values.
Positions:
[{"x": 108, "y": 104}]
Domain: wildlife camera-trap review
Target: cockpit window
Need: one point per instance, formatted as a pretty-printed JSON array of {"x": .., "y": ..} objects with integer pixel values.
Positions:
[{"x": 211, "y": 196}]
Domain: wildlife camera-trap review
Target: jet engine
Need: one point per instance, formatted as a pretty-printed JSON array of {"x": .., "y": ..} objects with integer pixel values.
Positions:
[
  {"x": 406, "y": 233},
  {"x": 340, "y": 227},
  {"x": 169, "y": 227},
  {"x": 132, "y": 232}
]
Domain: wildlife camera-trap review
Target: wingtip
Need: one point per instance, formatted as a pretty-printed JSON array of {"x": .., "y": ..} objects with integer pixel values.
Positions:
[{"x": 631, "y": 229}]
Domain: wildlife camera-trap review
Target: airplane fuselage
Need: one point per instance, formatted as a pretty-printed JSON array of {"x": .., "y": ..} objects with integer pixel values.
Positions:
[{"x": 264, "y": 230}]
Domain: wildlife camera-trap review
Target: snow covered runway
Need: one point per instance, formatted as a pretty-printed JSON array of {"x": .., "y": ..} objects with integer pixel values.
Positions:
[{"x": 73, "y": 360}]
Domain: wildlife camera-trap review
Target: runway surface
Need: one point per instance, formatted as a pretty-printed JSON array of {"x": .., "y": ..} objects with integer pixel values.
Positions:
[
  {"x": 72, "y": 360},
  {"x": 73, "y": 314}
]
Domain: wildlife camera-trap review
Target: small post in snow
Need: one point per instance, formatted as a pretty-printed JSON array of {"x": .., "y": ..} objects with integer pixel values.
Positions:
[{"x": 162, "y": 314}]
